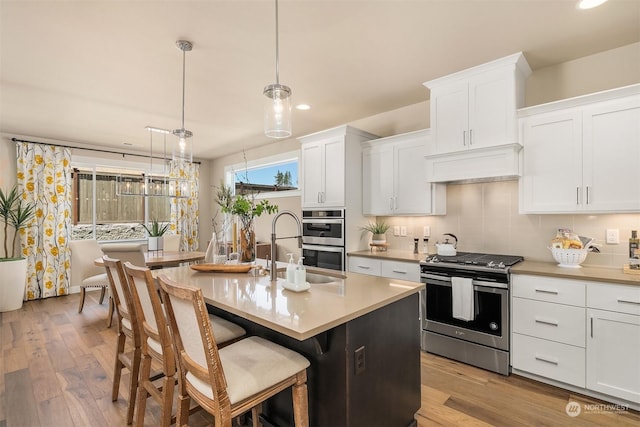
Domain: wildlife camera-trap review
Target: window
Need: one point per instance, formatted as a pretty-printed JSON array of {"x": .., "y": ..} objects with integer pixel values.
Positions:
[
  {"x": 98, "y": 207},
  {"x": 275, "y": 176}
]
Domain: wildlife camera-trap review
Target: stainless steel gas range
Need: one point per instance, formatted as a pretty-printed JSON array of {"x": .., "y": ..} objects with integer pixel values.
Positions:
[{"x": 465, "y": 308}]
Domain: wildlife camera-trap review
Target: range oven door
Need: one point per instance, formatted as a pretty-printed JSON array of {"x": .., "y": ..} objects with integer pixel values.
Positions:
[
  {"x": 331, "y": 257},
  {"x": 490, "y": 325}
]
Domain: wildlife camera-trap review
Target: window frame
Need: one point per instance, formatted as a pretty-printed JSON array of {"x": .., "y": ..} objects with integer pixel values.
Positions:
[{"x": 237, "y": 169}]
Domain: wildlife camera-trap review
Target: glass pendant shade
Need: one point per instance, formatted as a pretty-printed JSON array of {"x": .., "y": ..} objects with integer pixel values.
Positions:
[
  {"x": 277, "y": 111},
  {"x": 182, "y": 146}
]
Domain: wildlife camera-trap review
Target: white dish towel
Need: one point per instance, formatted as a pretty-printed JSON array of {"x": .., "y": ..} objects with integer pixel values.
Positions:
[{"x": 462, "y": 298}]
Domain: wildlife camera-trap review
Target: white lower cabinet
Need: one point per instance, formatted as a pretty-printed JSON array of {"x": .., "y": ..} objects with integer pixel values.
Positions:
[
  {"x": 582, "y": 333},
  {"x": 392, "y": 269},
  {"x": 550, "y": 359},
  {"x": 365, "y": 265}
]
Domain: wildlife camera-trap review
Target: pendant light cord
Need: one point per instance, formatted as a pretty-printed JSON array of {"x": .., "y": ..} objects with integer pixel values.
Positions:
[
  {"x": 183, "y": 83},
  {"x": 277, "y": 48}
]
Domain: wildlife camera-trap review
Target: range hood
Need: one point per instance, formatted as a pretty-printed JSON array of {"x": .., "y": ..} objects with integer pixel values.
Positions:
[{"x": 482, "y": 164}]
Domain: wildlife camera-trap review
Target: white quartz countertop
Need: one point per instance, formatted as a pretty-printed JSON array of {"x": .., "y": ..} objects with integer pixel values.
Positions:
[{"x": 300, "y": 315}]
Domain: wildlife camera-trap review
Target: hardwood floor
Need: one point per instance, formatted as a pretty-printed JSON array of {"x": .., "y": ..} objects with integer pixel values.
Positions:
[{"x": 57, "y": 368}]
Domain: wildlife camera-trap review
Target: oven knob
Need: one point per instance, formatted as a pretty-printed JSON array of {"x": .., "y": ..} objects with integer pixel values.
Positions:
[
  {"x": 491, "y": 264},
  {"x": 501, "y": 265},
  {"x": 493, "y": 326}
]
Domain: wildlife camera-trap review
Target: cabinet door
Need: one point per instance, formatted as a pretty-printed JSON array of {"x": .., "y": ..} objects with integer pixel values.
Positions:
[
  {"x": 450, "y": 117},
  {"x": 492, "y": 109},
  {"x": 377, "y": 180},
  {"x": 552, "y": 163},
  {"x": 333, "y": 173},
  {"x": 312, "y": 174},
  {"x": 412, "y": 191},
  {"x": 613, "y": 354},
  {"x": 611, "y": 150}
]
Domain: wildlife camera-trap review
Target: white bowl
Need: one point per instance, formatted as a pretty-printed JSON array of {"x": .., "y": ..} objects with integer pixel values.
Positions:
[{"x": 569, "y": 257}]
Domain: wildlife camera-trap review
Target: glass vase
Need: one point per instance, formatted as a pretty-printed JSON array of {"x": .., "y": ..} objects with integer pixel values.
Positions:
[{"x": 247, "y": 242}]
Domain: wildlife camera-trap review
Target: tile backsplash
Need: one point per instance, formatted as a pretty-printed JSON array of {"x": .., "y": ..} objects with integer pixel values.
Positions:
[{"x": 485, "y": 218}]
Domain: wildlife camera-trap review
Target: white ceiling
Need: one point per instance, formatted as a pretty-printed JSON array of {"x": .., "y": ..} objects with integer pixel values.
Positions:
[{"x": 98, "y": 72}]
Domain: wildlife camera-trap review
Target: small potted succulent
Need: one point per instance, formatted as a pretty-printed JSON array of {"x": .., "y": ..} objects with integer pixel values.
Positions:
[
  {"x": 378, "y": 230},
  {"x": 13, "y": 269},
  {"x": 156, "y": 230}
]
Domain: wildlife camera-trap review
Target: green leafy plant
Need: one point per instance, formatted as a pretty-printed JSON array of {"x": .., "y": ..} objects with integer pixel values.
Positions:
[
  {"x": 244, "y": 206},
  {"x": 156, "y": 228},
  {"x": 16, "y": 214},
  {"x": 376, "y": 227}
]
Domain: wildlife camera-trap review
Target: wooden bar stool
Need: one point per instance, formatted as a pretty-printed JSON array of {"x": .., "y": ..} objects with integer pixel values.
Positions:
[
  {"x": 157, "y": 343},
  {"x": 128, "y": 327},
  {"x": 229, "y": 381}
]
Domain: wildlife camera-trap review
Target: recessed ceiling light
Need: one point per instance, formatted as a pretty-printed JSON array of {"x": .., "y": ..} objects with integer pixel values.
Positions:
[
  {"x": 303, "y": 107},
  {"x": 589, "y": 4}
]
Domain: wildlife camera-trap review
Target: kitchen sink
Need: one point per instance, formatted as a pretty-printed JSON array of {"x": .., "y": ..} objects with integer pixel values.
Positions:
[{"x": 316, "y": 278}]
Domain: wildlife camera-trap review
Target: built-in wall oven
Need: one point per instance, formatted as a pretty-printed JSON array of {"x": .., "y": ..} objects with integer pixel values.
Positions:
[
  {"x": 323, "y": 238},
  {"x": 481, "y": 338}
]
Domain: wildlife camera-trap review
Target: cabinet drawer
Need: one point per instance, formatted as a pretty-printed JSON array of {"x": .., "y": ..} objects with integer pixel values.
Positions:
[
  {"x": 619, "y": 298},
  {"x": 401, "y": 270},
  {"x": 550, "y": 289},
  {"x": 365, "y": 265},
  {"x": 560, "y": 362},
  {"x": 555, "y": 322}
]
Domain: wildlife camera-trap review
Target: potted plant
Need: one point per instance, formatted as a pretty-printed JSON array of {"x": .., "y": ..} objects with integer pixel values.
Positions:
[
  {"x": 245, "y": 208},
  {"x": 378, "y": 230},
  {"x": 156, "y": 230},
  {"x": 13, "y": 270}
]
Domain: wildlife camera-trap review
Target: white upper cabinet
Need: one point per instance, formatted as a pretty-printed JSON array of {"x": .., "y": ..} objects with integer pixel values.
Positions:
[
  {"x": 582, "y": 155},
  {"x": 394, "y": 180},
  {"x": 475, "y": 112},
  {"x": 326, "y": 181}
]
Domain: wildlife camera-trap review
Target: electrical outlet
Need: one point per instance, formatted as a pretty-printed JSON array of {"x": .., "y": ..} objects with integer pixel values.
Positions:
[
  {"x": 426, "y": 231},
  {"x": 396, "y": 230},
  {"x": 403, "y": 230},
  {"x": 613, "y": 236},
  {"x": 358, "y": 360}
]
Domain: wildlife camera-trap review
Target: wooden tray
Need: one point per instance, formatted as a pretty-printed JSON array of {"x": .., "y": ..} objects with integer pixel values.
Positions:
[
  {"x": 222, "y": 268},
  {"x": 626, "y": 269}
]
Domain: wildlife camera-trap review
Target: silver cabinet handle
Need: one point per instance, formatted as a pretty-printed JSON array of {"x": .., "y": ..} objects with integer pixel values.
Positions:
[
  {"x": 546, "y": 322},
  {"x": 399, "y": 271},
  {"x": 364, "y": 267},
  {"x": 464, "y": 138},
  {"x": 592, "y": 326},
  {"x": 587, "y": 194},
  {"x": 627, "y": 301},
  {"x": 390, "y": 203},
  {"x": 551, "y": 360},
  {"x": 395, "y": 203},
  {"x": 546, "y": 291},
  {"x": 577, "y": 195},
  {"x": 470, "y": 136},
  {"x": 318, "y": 198}
]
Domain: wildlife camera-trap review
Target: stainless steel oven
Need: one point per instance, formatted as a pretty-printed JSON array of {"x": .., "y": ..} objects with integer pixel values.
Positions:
[
  {"x": 482, "y": 339},
  {"x": 323, "y": 238},
  {"x": 331, "y": 257}
]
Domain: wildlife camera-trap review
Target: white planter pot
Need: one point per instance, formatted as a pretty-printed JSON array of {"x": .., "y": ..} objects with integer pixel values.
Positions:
[
  {"x": 14, "y": 276},
  {"x": 156, "y": 243},
  {"x": 379, "y": 239}
]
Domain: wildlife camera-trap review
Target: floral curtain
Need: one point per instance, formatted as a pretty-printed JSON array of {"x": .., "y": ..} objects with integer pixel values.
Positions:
[
  {"x": 44, "y": 177},
  {"x": 184, "y": 210}
]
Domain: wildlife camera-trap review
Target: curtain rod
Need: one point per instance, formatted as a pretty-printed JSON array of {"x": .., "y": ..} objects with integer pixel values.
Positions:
[{"x": 93, "y": 149}]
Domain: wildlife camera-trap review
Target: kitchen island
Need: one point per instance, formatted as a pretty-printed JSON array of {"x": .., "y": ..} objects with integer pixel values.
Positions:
[{"x": 360, "y": 333}]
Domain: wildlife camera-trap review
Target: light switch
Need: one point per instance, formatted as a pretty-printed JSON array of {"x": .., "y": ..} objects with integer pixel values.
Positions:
[
  {"x": 403, "y": 230},
  {"x": 613, "y": 236},
  {"x": 396, "y": 230},
  {"x": 426, "y": 231}
]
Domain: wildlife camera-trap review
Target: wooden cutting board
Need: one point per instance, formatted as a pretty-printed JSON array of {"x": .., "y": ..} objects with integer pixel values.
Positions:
[{"x": 222, "y": 268}]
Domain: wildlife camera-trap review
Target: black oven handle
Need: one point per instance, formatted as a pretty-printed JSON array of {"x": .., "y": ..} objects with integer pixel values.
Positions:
[
  {"x": 323, "y": 221},
  {"x": 446, "y": 281}
]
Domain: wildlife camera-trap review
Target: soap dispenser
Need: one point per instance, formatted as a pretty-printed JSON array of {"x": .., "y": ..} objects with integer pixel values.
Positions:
[
  {"x": 301, "y": 273},
  {"x": 291, "y": 269}
]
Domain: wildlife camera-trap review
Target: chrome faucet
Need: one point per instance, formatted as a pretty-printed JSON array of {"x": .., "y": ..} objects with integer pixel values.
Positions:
[{"x": 274, "y": 255}]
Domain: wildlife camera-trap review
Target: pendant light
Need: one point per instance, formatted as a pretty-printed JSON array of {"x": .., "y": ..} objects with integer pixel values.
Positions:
[
  {"x": 182, "y": 148},
  {"x": 277, "y": 107}
]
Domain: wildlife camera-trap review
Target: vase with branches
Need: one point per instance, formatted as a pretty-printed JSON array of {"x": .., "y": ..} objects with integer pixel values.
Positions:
[{"x": 245, "y": 208}]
